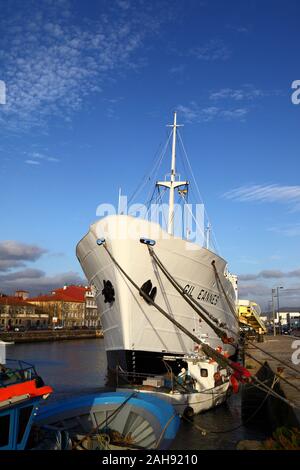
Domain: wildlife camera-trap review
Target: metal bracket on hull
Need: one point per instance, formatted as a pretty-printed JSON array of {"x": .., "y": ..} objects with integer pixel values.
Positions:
[{"x": 147, "y": 241}]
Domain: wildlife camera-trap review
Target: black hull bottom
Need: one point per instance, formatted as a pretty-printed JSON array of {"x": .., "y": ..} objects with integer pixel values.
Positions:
[
  {"x": 123, "y": 364},
  {"x": 140, "y": 362}
]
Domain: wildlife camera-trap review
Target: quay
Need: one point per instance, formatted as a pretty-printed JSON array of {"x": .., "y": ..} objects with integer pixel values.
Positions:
[
  {"x": 49, "y": 335},
  {"x": 284, "y": 349}
]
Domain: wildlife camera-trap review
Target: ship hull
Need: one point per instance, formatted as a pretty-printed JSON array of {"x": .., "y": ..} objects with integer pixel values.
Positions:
[{"x": 135, "y": 333}]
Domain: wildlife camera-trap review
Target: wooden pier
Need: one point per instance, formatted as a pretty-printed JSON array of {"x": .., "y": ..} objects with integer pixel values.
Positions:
[{"x": 49, "y": 335}]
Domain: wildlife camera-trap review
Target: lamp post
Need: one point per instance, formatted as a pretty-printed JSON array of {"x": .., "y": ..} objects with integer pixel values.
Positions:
[
  {"x": 273, "y": 312},
  {"x": 279, "y": 321}
]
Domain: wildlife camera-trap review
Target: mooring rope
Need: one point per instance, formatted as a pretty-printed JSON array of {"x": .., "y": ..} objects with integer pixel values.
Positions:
[
  {"x": 232, "y": 308},
  {"x": 208, "y": 350},
  {"x": 196, "y": 306},
  {"x": 274, "y": 357},
  {"x": 105, "y": 421},
  {"x": 225, "y": 431},
  {"x": 250, "y": 342},
  {"x": 275, "y": 373}
]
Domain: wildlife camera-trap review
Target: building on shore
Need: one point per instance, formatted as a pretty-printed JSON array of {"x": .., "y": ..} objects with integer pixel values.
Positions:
[
  {"x": 87, "y": 295},
  {"x": 18, "y": 313},
  {"x": 22, "y": 294},
  {"x": 62, "y": 309},
  {"x": 69, "y": 307},
  {"x": 287, "y": 316},
  {"x": 92, "y": 316}
]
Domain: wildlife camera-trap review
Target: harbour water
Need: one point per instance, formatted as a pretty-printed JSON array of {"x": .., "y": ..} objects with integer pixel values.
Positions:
[{"x": 79, "y": 367}]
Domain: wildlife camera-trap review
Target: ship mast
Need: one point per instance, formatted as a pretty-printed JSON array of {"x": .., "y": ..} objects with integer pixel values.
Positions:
[{"x": 172, "y": 184}]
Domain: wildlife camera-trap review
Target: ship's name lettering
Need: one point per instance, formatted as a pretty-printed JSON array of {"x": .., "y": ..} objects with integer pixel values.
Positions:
[{"x": 204, "y": 295}]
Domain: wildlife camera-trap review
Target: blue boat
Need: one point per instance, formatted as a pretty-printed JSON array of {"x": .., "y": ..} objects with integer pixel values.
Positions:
[
  {"x": 21, "y": 390},
  {"x": 109, "y": 420}
]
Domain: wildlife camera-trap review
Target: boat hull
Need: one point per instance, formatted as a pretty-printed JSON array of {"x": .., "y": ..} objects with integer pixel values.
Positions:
[
  {"x": 193, "y": 403},
  {"x": 133, "y": 328},
  {"x": 147, "y": 419}
]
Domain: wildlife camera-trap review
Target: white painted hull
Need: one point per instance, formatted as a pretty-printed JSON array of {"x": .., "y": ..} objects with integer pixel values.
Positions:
[
  {"x": 129, "y": 323},
  {"x": 198, "y": 401}
]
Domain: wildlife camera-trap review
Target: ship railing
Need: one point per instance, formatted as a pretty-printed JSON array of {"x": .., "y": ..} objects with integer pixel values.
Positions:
[
  {"x": 134, "y": 376},
  {"x": 16, "y": 371},
  {"x": 141, "y": 375},
  {"x": 174, "y": 381}
]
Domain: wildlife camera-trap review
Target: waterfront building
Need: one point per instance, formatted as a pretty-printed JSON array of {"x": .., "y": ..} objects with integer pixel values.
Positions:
[
  {"x": 287, "y": 316},
  {"x": 22, "y": 294},
  {"x": 70, "y": 307},
  {"x": 18, "y": 313},
  {"x": 92, "y": 316},
  {"x": 62, "y": 309},
  {"x": 87, "y": 294}
]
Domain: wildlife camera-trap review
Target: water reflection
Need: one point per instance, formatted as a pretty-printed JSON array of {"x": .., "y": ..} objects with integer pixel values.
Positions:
[{"x": 79, "y": 367}]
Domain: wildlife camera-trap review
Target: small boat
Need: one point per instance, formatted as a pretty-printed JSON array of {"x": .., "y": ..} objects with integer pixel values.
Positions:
[
  {"x": 21, "y": 390},
  {"x": 200, "y": 385},
  {"x": 109, "y": 420}
]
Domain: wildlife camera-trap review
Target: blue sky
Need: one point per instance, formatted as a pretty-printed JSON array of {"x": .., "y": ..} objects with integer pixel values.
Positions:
[{"x": 90, "y": 87}]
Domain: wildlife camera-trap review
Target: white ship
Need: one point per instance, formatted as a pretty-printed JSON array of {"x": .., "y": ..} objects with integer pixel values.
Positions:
[{"x": 115, "y": 256}]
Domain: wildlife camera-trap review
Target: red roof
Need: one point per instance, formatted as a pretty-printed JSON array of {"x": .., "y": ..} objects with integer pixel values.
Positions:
[
  {"x": 76, "y": 292},
  {"x": 12, "y": 300},
  {"x": 69, "y": 294}
]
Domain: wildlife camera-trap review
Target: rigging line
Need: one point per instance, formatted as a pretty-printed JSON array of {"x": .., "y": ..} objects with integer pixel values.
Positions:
[
  {"x": 273, "y": 357},
  {"x": 197, "y": 188},
  {"x": 105, "y": 421},
  {"x": 232, "y": 308},
  {"x": 189, "y": 299},
  {"x": 159, "y": 197},
  {"x": 208, "y": 350},
  {"x": 275, "y": 394},
  {"x": 174, "y": 212},
  {"x": 184, "y": 201},
  {"x": 148, "y": 201},
  {"x": 194, "y": 219},
  {"x": 173, "y": 280},
  {"x": 154, "y": 170},
  {"x": 165, "y": 428},
  {"x": 275, "y": 373},
  {"x": 243, "y": 423}
]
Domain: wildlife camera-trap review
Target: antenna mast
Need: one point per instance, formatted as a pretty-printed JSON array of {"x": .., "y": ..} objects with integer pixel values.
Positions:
[{"x": 172, "y": 183}]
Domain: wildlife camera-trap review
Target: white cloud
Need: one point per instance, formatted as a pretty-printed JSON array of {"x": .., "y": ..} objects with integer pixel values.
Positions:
[
  {"x": 291, "y": 230},
  {"x": 37, "y": 281},
  {"x": 37, "y": 158},
  {"x": 14, "y": 254},
  {"x": 271, "y": 193},
  {"x": 270, "y": 274},
  {"x": 245, "y": 93},
  {"x": 212, "y": 50},
  {"x": 195, "y": 113},
  {"x": 262, "y": 293},
  {"x": 32, "y": 162},
  {"x": 177, "y": 69},
  {"x": 238, "y": 29},
  {"x": 54, "y": 60}
]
